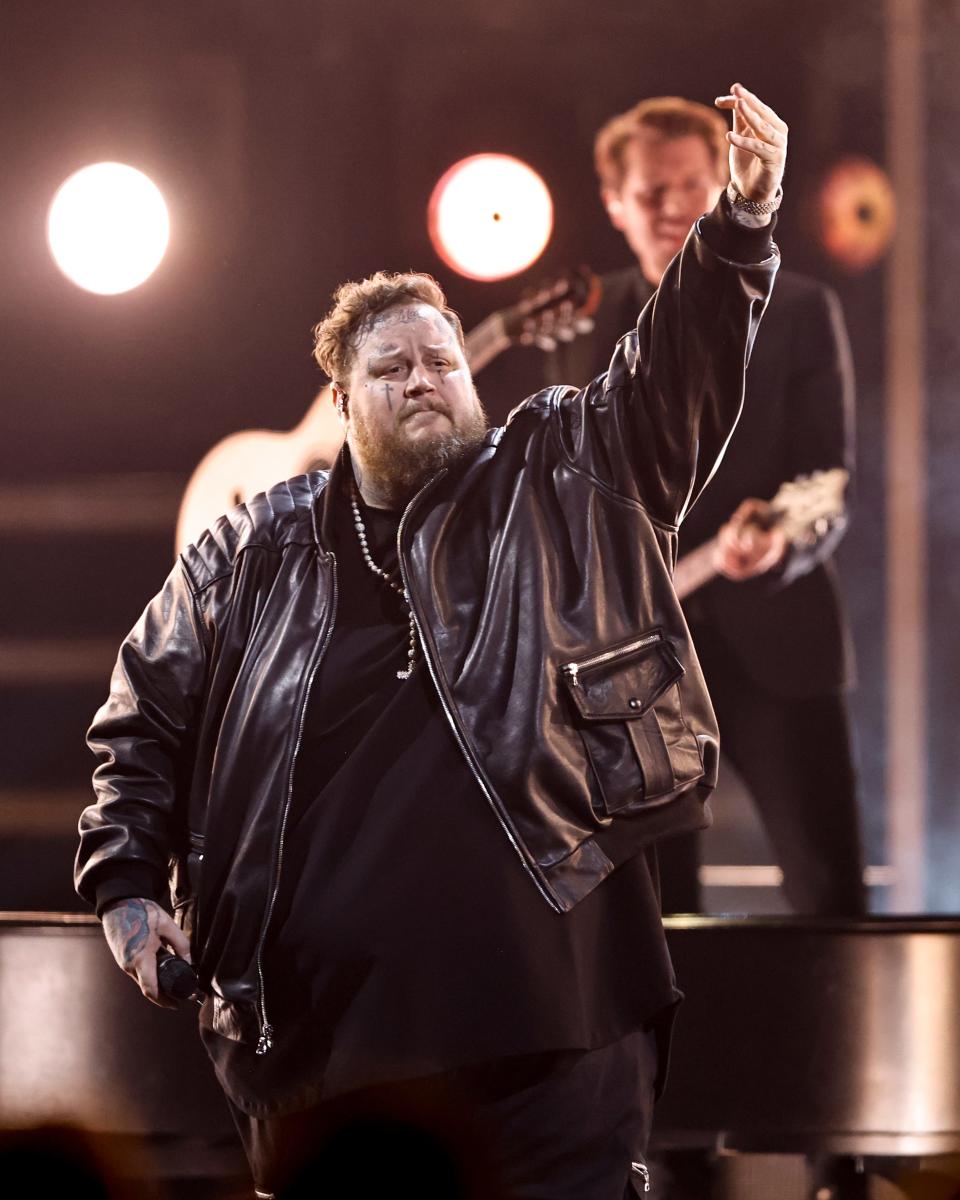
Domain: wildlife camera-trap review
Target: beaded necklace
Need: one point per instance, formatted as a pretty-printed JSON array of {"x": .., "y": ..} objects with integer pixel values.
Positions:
[{"x": 391, "y": 583}]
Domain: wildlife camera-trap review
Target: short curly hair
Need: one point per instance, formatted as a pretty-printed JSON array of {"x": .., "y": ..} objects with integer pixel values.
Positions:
[
  {"x": 355, "y": 305},
  {"x": 665, "y": 117}
]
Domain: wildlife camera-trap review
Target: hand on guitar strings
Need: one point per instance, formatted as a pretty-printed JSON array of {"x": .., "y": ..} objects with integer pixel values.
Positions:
[{"x": 750, "y": 543}]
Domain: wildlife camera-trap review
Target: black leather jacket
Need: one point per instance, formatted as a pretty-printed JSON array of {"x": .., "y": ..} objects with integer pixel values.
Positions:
[{"x": 540, "y": 577}]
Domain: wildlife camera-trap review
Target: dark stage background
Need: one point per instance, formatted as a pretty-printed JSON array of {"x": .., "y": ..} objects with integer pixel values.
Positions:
[{"x": 297, "y": 144}]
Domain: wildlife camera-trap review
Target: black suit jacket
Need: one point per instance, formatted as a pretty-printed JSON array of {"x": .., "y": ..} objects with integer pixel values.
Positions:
[{"x": 787, "y": 629}]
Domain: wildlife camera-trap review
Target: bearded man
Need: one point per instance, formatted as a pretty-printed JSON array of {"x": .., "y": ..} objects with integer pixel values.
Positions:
[{"x": 409, "y": 731}]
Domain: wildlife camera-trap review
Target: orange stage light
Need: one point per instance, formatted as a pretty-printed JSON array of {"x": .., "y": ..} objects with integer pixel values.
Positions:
[
  {"x": 856, "y": 210},
  {"x": 490, "y": 216}
]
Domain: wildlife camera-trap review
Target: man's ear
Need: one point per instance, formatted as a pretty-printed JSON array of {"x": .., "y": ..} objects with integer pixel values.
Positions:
[
  {"x": 340, "y": 402},
  {"x": 613, "y": 203}
]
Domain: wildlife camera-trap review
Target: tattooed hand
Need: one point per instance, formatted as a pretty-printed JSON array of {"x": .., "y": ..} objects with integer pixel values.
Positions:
[{"x": 135, "y": 930}]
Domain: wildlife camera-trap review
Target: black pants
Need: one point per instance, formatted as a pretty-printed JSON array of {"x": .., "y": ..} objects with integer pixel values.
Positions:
[
  {"x": 563, "y": 1126},
  {"x": 795, "y": 757}
]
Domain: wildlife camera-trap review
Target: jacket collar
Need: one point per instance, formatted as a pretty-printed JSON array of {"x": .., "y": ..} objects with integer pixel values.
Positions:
[{"x": 325, "y": 508}]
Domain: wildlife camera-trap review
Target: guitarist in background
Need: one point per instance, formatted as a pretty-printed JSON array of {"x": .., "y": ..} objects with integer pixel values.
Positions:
[{"x": 769, "y": 628}]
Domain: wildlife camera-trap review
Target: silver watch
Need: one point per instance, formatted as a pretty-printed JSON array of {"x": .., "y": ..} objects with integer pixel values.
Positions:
[{"x": 756, "y": 208}]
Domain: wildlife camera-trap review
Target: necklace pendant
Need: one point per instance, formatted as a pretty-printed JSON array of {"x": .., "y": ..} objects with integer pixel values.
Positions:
[{"x": 405, "y": 674}]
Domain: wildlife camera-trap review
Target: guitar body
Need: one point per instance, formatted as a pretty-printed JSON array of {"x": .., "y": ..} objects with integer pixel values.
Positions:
[{"x": 253, "y": 460}]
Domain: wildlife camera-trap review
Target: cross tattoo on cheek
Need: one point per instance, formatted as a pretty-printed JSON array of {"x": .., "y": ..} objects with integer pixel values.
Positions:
[{"x": 388, "y": 395}]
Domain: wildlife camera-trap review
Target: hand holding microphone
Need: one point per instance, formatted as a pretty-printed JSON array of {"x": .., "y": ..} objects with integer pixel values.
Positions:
[
  {"x": 139, "y": 932},
  {"x": 176, "y": 977}
]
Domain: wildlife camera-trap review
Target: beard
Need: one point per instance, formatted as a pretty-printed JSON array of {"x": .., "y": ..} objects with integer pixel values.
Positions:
[{"x": 396, "y": 467}]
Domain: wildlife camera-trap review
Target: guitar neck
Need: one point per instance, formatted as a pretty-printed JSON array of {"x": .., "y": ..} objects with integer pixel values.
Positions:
[
  {"x": 804, "y": 507},
  {"x": 483, "y": 343},
  {"x": 696, "y": 568}
]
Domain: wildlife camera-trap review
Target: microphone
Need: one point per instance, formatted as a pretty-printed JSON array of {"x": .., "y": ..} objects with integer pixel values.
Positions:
[{"x": 176, "y": 977}]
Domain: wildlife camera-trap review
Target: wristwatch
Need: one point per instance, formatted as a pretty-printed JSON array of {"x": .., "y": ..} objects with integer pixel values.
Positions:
[{"x": 756, "y": 208}]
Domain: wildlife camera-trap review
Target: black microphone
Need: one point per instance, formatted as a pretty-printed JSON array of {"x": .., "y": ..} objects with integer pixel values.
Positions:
[{"x": 176, "y": 977}]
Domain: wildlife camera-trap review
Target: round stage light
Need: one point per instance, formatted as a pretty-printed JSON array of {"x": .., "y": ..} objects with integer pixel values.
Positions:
[
  {"x": 857, "y": 212},
  {"x": 490, "y": 216},
  {"x": 108, "y": 228}
]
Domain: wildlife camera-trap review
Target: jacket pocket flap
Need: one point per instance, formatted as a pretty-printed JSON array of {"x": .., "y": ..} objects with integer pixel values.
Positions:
[{"x": 623, "y": 682}]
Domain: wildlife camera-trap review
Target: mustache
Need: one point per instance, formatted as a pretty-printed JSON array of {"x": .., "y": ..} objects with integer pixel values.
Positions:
[{"x": 412, "y": 407}]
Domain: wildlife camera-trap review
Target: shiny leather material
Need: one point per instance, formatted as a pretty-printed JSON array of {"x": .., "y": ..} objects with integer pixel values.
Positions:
[{"x": 554, "y": 545}]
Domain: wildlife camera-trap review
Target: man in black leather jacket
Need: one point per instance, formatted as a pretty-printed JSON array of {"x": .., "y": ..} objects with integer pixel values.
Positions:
[{"x": 407, "y": 733}]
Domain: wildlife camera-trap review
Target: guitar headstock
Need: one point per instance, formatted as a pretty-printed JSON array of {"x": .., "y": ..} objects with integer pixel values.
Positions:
[
  {"x": 807, "y": 506},
  {"x": 557, "y": 311}
]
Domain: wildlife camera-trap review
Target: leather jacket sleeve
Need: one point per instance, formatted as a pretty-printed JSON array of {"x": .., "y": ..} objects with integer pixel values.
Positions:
[
  {"x": 654, "y": 426},
  {"x": 141, "y": 737}
]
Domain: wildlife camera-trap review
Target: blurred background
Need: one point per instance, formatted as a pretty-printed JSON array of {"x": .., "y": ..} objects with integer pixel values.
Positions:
[{"x": 297, "y": 144}]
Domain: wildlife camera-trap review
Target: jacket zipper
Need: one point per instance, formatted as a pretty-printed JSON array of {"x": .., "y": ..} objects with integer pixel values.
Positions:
[
  {"x": 641, "y": 1170},
  {"x": 448, "y": 708},
  {"x": 265, "y": 1042},
  {"x": 572, "y": 669}
]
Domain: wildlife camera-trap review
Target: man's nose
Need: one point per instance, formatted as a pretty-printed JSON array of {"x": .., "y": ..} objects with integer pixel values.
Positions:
[
  {"x": 418, "y": 382},
  {"x": 674, "y": 203}
]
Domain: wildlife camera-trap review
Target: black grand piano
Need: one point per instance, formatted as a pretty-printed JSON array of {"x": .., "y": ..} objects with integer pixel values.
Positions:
[{"x": 797, "y": 1037}]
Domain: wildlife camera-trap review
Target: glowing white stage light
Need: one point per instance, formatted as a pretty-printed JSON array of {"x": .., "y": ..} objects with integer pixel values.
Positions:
[
  {"x": 108, "y": 228},
  {"x": 490, "y": 216}
]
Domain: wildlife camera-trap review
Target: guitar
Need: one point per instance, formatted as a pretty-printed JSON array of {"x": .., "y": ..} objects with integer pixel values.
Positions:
[
  {"x": 803, "y": 509},
  {"x": 248, "y": 462}
]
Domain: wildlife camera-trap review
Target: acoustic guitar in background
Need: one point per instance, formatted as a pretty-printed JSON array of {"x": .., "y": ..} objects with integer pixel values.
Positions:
[
  {"x": 248, "y": 462},
  {"x": 804, "y": 509}
]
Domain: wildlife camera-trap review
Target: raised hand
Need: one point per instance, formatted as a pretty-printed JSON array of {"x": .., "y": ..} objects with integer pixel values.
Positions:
[
  {"x": 135, "y": 930},
  {"x": 758, "y": 144}
]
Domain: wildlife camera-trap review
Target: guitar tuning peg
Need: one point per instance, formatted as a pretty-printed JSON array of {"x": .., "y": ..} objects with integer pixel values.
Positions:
[
  {"x": 565, "y": 333},
  {"x": 544, "y": 342},
  {"x": 583, "y": 325}
]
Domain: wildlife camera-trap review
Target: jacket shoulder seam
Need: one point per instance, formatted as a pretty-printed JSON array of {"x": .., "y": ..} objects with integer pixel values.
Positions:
[
  {"x": 225, "y": 574},
  {"x": 598, "y": 483}
]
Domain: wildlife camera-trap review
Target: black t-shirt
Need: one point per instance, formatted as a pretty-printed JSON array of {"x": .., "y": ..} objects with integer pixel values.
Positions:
[{"x": 408, "y": 938}]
